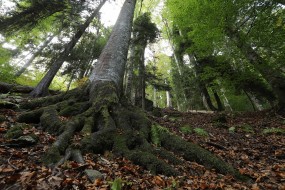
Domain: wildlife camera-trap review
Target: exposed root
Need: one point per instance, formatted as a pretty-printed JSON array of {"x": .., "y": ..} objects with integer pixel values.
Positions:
[{"x": 105, "y": 124}]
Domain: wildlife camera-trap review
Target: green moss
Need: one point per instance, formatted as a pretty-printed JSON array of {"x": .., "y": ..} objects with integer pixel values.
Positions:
[
  {"x": 31, "y": 116},
  {"x": 88, "y": 126},
  {"x": 50, "y": 121},
  {"x": 16, "y": 131},
  {"x": 151, "y": 163},
  {"x": 245, "y": 128},
  {"x": 74, "y": 109},
  {"x": 193, "y": 152},
  {"x": 104, "y": 94},
  {"x": 52, "y": 156}
]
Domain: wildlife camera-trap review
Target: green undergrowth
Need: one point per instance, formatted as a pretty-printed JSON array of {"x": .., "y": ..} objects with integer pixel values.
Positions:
[
  {"x": 273, "y": 130},
  {"x": 246, "y": 128},
  {"x": 156, "y": 130},
  {"x": 186, "y": 129}
]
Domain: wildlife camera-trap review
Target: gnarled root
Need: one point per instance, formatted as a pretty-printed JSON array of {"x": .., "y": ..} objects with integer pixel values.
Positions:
[{"x": 105, "y": 124}]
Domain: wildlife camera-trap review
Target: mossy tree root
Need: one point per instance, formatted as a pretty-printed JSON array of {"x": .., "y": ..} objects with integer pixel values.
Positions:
[{"x": 105, "y": 124}]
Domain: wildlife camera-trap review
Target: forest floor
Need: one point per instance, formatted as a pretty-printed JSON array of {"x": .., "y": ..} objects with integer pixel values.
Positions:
[{"x": 253, "y": 142}]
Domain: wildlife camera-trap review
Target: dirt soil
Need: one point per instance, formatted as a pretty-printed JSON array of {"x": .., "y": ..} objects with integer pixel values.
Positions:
[{"x": 252, "y": 142}]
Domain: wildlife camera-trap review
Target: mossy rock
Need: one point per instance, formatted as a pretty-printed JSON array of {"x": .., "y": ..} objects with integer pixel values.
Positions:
[
  {"x": 2, "y": 118},
  {"x": 16, "y": 131}
]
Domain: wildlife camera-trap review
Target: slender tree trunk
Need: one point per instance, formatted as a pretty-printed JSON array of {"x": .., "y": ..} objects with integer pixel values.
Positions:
[
  {"x": 37, "y": 53},
  {"x": 154, "y": 97},
  {"x": 142, "y": 76},
  {"x": 225, "y": 99},
  {"x": 168, "y": 99},
  {"x": 218, "y": 100},
  {"x": 130, "y": 74},
  {"x": 251, "y": 102},
  {"x": 206, "y": 94},
  {"x": 42, "y": 88}
]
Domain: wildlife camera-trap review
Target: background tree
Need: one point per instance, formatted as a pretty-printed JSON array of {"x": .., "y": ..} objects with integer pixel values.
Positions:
[{"x": 42, "y": 88}]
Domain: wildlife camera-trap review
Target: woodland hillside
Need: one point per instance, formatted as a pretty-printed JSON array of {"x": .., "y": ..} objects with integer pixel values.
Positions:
[{"x": 171, "y": 95}]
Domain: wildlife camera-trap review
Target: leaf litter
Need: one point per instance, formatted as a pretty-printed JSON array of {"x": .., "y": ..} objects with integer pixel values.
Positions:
[{"x": 258, "y": 155}]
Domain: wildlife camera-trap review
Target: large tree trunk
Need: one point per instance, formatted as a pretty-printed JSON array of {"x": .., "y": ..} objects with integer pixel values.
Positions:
[
  {"x": 42, "y": 88},
  {"x": 107, "y": 122}
]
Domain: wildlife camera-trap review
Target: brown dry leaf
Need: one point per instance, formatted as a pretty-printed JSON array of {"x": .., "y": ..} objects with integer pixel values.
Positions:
[
  {"x": 159, "y": 181},
  {"x": 242, "y": 171},
  {"x": 6, "y": 170},
  {"x": 27, "y": 176},
  {"x": 281, "y": 174},
  {"x": 2, "y": 130},
  {"x": 98, "y": 182},
  {"x": 55, "y": 181}
]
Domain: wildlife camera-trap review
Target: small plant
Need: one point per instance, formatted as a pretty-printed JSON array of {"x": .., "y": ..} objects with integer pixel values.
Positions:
[
  {"x": 156, "y": 130},
  {"x": 117, "y": 184},
  {"x": 274, "y": 130},
  {"x": 186, "y": 129},
  {"x": 232, "y": 129},
  {"x": 246, "y": 128},
  {"x": 200, "y": 132}
]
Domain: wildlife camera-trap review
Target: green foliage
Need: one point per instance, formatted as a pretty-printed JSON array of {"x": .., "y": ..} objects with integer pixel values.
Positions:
[
  {"x": 6, "y": 70},
  {"x": 144, "y": 30},
  {"x": 156, "y": 134},
  {"x": 245, "y": 128},
  {"x": 232, "y": 129},
  {"x": 186, "y": 129},
  {"x": 200, "y": 132},
  {"x": 117, "y": 184},
  {"x": 273, "y": 130},
  {"x": 33, "y": 78}
]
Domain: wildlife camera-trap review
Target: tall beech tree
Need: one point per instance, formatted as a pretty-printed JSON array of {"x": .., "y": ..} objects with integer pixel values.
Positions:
[
  {"x": 106, "y": 120},
  {"x": 42, "y": 88}
]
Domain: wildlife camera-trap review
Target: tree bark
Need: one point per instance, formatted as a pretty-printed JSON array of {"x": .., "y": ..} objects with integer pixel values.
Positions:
[
  {"x": 218, "y": 100},
  {"x": 42, "y": 88},
  {"x": 111, "y": 63}
]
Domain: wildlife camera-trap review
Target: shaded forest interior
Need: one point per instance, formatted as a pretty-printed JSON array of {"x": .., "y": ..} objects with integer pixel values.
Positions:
[{"x": 176, "y": 94}]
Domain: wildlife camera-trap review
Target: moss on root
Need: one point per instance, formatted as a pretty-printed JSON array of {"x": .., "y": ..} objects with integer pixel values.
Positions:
[
  {"x": 16, "y": 130},
  {"x": 193, "y": 152},
  {"x": 50, "y": 122},
  {"x": 107, "y": 125}
]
